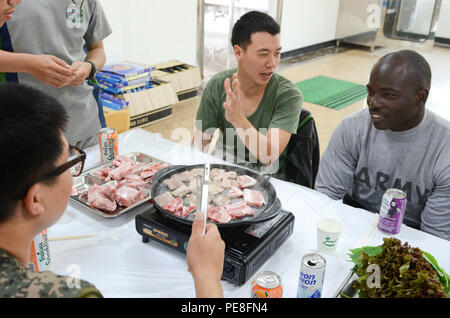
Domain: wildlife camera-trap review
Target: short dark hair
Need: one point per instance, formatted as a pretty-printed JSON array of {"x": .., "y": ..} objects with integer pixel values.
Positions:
[
  {"x": 31, "y": 124},
  {"x": 252, "y": 22},
  {"x": 417, "y": 66}
]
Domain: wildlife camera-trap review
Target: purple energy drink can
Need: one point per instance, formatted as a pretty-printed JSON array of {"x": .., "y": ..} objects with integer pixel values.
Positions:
[{"x": 392, "y": 211}]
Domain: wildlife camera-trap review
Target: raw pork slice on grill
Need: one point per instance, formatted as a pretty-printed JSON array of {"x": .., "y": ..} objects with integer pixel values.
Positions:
[
  {"x": 235, "y": 192},
  {"x": 174, "y": 205},
  {"x": 181, "y": 191},
  {"x": 221, "y": 200},
  {"x": 184, "y": 176},
  {"x": 239, "y": 209},
  {"x": 246, "y": 181},
  {"x": 218, "y": 214},
  {"x": 97, "y": 199},
  {"x": 214, "y": 188},
  {"x": 173, "y": 183},
  {"x": 254, "y": 197},
  {"x": 185, "y": 211},
  {"x": 177, "y": 208},
  {"x": 228, "y": 183},
  {"x": 164, "y": 199}
]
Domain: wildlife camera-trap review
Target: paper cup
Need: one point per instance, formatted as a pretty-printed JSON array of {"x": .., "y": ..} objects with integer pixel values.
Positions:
[{"x": 328, "y": 233}]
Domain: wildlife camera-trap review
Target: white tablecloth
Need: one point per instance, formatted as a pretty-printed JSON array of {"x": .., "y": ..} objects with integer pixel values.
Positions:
[{"x": 120, "y": 265}]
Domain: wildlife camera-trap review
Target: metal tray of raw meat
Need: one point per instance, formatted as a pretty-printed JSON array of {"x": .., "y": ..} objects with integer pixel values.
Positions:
[{"x": 87, "y": 179}]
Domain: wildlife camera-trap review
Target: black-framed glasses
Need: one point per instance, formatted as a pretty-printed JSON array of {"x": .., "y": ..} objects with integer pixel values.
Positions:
[{"x": 75, "y": 163}]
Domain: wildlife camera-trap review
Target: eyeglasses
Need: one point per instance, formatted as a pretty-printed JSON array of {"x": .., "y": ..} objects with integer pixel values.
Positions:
[{"x": 75, "y": 163}]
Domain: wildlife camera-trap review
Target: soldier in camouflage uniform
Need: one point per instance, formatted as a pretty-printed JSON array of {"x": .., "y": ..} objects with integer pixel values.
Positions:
[
  {"x": 33, "y": 194},
  {"x": 16, "y": 280}
]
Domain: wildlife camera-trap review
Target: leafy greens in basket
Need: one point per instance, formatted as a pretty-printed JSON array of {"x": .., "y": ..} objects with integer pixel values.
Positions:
[{"x": 404, "y": 272}]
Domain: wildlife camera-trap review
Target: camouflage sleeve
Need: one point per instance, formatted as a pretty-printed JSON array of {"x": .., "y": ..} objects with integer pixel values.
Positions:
[{"x": 90, "y": 292}]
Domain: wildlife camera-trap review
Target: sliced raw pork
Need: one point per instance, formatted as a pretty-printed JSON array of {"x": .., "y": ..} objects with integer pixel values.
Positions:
[
  {"x": 127, "y": 196},
  {"x": 254, "y": 197},
  {"x": 239, "y": 209},
  {"x": 235, "y": 192},
  {"x": 173, "y": 183},
  {"x": 97, "y": 199},
  {"x": 181, "y": 191},
  {"x": 218, "y": 214},
  {"x": 174, "y": 205},
  {"x": 120, "y": 172},
  {"x": 246, "y": 181},
  {"x": 164, "y": 199}
]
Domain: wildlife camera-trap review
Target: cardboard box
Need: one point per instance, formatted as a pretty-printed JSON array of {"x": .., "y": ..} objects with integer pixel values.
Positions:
[
  {"x": 186, "y": 82},
  {"x": 117, "y": 119},
  {"x": 151, "y": 117},
  {"x": 152, "y": 99}
]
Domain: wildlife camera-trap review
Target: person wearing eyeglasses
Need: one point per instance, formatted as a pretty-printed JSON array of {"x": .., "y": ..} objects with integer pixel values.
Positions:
[
  {"x": 57, "y": 46},
  {"x": 38, "y": 166}
]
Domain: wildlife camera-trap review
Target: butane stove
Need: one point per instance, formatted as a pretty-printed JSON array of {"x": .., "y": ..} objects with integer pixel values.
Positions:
[{"x": 247, "y": 247}]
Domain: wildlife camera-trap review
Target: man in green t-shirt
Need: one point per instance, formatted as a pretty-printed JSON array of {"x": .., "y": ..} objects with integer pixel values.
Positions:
[{"x": 255, "y": 109}]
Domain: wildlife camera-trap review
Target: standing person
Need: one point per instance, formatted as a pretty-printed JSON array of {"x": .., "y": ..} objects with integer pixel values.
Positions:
[
  {"x": 56, "y": 46},
  {"x": 255, "y": 109},
  {"x": 395, "y": 143},
  {"x": 35, "y": 191}
]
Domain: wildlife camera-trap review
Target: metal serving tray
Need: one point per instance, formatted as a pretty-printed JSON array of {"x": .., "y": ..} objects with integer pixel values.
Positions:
[
  {"x": 346, "y": 289},
  {"x": 82, "y": 183}
]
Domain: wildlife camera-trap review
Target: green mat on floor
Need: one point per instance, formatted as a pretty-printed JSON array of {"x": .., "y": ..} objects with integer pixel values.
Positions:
[{"x": 330, "y": 92}]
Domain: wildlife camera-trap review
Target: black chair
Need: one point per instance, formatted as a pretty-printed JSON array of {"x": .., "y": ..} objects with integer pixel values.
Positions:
[{"x": 303, "y": 153}]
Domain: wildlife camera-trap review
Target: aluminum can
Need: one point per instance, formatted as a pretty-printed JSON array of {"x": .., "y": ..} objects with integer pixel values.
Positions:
[
  {"x": 40, "y": 253},
  {"x": 312, "y": 273},
  {"x": 267, "y": 285},
  {"x": 392, "y": 210},
  {"x": 108, "y": 141}
]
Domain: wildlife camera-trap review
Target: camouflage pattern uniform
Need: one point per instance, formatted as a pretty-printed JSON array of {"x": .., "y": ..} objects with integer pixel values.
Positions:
[{"x": 18, "y": 281}]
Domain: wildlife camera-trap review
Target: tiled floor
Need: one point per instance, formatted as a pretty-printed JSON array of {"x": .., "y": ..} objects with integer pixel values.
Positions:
[{"x": 350, "y": 65}]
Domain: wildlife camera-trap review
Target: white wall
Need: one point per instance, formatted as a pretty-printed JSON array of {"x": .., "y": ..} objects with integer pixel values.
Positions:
[
  {"x": 443, "y": 27},
  {"x": 151, "y": 31},
  {"x": 307, "y": 22}
]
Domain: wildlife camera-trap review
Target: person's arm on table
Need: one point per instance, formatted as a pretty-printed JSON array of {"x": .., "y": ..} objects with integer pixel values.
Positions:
[
  {"x": 82, "y": 69},
  {"x": 267, "y": 149},
  {"x": 205, "y": 256},
  {"x": 49, "y": 69},
  {"x": 338, "y": 164}
]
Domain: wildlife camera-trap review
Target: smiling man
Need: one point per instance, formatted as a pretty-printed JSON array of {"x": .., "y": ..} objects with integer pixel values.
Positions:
[
  {"x": 255, "y": 109},
  {"x": 395, "y": 143}
]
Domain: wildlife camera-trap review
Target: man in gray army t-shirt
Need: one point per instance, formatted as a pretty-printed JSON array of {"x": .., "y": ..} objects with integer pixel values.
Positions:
[
  {"x": 395, "y": 143},
  {"x": 54, "y": 46}
]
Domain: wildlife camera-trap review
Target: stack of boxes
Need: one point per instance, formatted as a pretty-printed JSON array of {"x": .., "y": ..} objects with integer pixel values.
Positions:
[
  {"x": 131, "y": 97},
  {"x": 135, "y": 94}
]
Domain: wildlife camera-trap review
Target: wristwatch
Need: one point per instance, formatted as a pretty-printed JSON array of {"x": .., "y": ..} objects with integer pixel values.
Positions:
[{"x": 93, "y": 70}]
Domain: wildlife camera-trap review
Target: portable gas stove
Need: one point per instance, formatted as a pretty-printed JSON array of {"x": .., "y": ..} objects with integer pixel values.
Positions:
[{"x": 248, "y": 247}]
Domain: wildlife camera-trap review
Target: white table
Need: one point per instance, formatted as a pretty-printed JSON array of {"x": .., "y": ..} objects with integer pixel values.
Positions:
[{"x": 120, "y": 265}]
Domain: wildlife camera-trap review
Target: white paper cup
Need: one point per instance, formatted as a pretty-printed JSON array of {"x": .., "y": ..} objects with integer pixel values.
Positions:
[{"x": 328, "y": 233}]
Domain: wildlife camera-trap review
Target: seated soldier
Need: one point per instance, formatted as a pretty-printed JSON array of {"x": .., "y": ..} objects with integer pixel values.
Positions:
[
  {"x": 395, "y": 143},
  {"x": 255, "y": 109},
  {"x": 37, "y": 177}
]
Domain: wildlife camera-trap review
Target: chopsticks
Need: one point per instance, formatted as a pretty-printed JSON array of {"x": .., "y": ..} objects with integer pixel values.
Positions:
[{"x": 74, "y": 237}]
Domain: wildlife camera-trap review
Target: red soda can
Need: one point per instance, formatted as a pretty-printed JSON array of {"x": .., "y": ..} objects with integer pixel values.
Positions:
[{"x": 108, "y": 141}]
